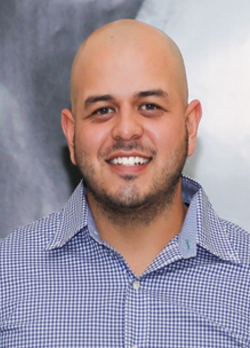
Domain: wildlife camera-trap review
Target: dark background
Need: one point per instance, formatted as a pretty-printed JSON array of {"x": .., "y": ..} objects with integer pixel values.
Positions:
[{"x": 38, "y": 40}]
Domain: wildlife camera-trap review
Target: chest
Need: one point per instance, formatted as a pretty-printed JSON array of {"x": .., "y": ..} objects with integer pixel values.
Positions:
[{"x": 99, "y": 303}]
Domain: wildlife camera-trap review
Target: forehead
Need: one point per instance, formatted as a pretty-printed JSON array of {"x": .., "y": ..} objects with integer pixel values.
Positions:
[{"x": 107, "y": 69}]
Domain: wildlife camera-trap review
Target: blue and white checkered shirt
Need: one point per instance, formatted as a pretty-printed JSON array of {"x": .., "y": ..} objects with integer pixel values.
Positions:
[{"x": 61, "y": 286}]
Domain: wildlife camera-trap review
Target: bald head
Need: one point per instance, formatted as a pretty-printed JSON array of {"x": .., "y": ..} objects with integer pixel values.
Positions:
[{"x": 119, "y": 43}]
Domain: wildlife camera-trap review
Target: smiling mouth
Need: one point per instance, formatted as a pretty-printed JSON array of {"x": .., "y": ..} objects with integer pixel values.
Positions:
[{"x": 129, "y": 161}]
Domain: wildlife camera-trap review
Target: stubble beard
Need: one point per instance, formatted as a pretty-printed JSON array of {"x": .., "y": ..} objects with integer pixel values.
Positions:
[{"x": 127, "y": 206}]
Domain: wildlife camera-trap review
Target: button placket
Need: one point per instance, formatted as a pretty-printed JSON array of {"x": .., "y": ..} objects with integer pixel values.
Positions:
[{"x": 136, "y": 315}]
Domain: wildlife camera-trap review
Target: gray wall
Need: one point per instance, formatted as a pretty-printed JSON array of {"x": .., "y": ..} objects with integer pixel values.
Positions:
[
  {"x": 38, "y": 40},
  {"x": 214, "y": 38}
]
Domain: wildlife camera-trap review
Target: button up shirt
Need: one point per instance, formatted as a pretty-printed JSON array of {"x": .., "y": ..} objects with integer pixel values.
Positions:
[{"x": 62, "y": 286}]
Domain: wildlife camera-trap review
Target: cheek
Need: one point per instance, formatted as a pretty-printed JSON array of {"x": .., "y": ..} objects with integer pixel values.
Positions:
[
  {"x": 167, "y": 135},
  {"x": 90, "y": 139}
]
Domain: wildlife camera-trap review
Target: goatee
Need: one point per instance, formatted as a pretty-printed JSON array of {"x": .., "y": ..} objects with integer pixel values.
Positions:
[{"x": 128, "y": 206}]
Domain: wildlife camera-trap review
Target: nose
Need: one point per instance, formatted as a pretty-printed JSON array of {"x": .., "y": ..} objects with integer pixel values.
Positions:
[{"x": 128, "y": 126}]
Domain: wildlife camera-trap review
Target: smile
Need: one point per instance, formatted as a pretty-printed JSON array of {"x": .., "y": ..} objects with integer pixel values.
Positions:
[{"x": 129, "y": 161}]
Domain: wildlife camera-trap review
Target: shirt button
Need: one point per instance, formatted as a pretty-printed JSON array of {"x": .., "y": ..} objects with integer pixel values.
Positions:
[{"x": 136, "y": 286}]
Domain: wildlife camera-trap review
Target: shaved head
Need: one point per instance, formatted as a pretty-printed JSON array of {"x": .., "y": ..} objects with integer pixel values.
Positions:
[
  {"x": 135, "y": 40},
  {"x": 130, "y": 128}
]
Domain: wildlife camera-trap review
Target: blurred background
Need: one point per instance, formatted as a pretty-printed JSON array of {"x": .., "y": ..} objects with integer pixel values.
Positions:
[{"x": 38, "y": 41}]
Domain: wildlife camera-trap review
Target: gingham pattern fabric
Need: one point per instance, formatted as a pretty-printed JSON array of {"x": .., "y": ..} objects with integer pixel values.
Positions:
[{"x": 62, "y": 286}]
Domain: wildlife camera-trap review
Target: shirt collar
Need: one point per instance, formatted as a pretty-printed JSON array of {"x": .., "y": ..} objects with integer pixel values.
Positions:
[
  {"x": 73, "y": 218},
  {"x": 202, "y": 226}
]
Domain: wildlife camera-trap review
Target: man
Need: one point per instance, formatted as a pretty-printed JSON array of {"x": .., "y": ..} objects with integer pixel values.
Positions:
[{"x": 138, "y": 257}]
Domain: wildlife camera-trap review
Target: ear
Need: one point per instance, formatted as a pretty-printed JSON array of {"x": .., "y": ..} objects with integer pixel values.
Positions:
[
  {"x": 68, "y": 127},
  {"x": 193, "y": 116}
]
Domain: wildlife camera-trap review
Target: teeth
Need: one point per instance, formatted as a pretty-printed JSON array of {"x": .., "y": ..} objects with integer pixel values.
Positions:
[{"x": 129, "y": 161}]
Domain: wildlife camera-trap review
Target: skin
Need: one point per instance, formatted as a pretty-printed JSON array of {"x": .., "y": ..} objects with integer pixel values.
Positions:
[{"x": 129, "y": 99}]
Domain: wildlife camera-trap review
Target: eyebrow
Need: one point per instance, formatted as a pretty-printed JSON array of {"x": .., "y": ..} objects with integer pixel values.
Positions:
[
  {"x": 97, "y": 98},
  {"x": 107, "y": 97},
  {"x": 152, "y": 93}
]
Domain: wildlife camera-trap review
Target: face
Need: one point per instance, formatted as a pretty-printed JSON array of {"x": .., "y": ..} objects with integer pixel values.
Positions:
[{"x": 131, "y": 131}]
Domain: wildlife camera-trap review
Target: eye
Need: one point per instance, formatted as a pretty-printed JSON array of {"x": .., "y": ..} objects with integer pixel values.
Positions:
[
  {"x": 149, "y": 106},
  {"x": 103, "y": 111},
  {"x": 151, "y": 110}
]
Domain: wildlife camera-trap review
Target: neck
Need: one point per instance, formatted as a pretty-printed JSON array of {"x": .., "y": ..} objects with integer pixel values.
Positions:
[{"x": 136, "y": 238}]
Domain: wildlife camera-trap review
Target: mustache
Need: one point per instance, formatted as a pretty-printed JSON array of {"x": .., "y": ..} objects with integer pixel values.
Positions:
[{"x": 125, "y": 146}]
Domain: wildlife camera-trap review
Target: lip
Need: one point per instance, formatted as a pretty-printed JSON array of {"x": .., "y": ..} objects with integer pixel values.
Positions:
[
  {"x": 128, "y": 154},
  {"x": 128, "y": 169}
]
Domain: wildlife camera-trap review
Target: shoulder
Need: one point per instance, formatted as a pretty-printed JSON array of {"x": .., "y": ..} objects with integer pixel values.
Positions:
[
  {"x": 51, "y": 231},
  {"x": 34, "y": 235},
  {"x": 23, "y": 254},
  {"x": 239, "y": 238}
]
